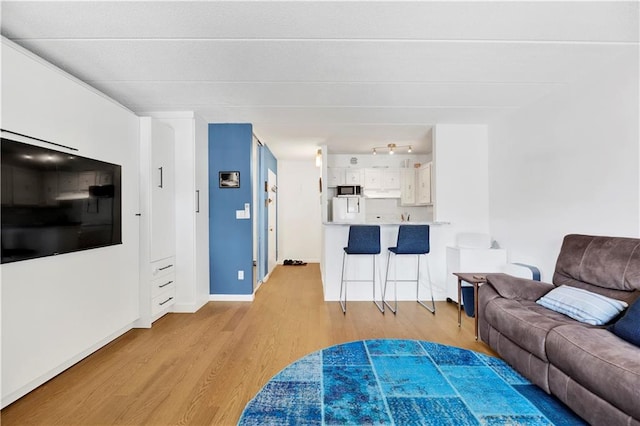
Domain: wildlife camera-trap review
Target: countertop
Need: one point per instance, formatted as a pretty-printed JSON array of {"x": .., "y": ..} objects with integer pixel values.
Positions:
[{"x": 385, "y": 223}]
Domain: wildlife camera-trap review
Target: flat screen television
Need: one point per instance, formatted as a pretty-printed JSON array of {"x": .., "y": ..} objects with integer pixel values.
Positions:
[{"x": 54, "y": 202}]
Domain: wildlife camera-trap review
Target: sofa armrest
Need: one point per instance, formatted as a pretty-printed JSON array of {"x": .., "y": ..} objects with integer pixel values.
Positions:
[{"x": 511, "y": 287}]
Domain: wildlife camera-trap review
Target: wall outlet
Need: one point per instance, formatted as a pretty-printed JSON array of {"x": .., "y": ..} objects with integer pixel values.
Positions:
[{"x": 241, "y": 275}]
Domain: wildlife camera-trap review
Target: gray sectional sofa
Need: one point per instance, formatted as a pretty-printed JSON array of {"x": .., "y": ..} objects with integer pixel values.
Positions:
[{"x": 589, "y": 368}]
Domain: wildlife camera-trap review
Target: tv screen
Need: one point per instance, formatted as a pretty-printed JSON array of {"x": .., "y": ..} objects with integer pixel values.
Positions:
[{"x": 55, "y": 202}]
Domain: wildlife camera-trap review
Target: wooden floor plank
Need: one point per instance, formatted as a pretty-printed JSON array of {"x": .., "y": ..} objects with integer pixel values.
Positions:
[{"x": 202, "y": 368}]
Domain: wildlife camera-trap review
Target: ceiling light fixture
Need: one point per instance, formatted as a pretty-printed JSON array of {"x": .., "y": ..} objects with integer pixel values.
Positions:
[{"x": 392, "y": 147}]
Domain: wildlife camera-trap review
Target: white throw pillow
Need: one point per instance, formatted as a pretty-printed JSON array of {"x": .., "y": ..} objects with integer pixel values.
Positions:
[{"x": 582, "y": 305}]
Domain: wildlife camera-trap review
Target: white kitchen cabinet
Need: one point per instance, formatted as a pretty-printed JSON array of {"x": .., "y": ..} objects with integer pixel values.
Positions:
[
  {"x": 343, "y": 176},
  {"x": 335, "y": 176},
  {"x": 415, "y": 188},
  {"x": 352, "y": 176},
  {"x": 157, "y": 215},
  {"x": 423, "y": 195},
  {"x": 408, "y": 187},
  {"x": 381, "y": 179},
  {"x": 372, "y": 179},
  {"x": 391, "y": 179}
]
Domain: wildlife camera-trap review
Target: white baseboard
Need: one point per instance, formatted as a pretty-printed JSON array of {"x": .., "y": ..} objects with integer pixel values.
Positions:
[
  {"x": 188, "y": 308},
  {"x": 231, "y": 297},
  {"x": 22, "y": 391}
]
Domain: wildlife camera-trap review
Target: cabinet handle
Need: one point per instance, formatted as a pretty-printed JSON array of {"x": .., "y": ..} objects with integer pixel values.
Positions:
[
  {"x": 160, "y": 186},
  {"x": 165, "y": 267},
  {"x": 197, "y": 201},
  {"x": 165, "y": 284},
  {"x": 166, "y": 301}
]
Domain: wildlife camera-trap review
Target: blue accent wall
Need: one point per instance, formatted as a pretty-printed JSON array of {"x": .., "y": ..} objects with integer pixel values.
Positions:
[
  {"x": 230, "y": 239},
  {"x": 267, "y": 161}
]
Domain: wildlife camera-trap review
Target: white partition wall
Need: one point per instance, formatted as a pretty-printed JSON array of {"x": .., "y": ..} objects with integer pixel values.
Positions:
[
  {"x": 56, "y": 310},
  {"x": 569, "y": 163},
  {"x": 460, "y": 189}
]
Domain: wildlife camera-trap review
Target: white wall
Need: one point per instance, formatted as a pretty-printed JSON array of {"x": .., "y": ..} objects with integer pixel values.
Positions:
[
  {"x": 460, "y": 192},
  {"x": 299, "y": 211},
  {"x": 568, "y": 164},
  {"x": 56, "y": 310}
]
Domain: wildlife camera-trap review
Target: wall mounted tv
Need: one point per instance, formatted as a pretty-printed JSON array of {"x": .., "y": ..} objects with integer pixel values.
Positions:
[{"x": 55, "y": 202}]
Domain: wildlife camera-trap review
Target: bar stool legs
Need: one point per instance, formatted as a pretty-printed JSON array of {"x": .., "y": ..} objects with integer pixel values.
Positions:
[
  {"x": 394, "y": 308},
  {"x": 412, "y": 240},
  {"x": 431, "y": 309},
  {"x": 343, "y": 285}
]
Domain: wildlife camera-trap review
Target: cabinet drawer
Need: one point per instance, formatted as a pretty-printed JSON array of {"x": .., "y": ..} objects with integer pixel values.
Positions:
[
  {"x": 162, "y": 284},
  {"x": 163, "y": 301},
  {"x": 163, "y": 267}
]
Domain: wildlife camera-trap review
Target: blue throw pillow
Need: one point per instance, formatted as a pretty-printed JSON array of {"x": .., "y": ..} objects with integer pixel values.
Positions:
[
  {"x": 582, "y": 305},
  {"x": 628, "y": 327}
]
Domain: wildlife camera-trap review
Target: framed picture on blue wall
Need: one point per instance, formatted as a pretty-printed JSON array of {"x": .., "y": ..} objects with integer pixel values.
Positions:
[{"x": 229, "y": 179}]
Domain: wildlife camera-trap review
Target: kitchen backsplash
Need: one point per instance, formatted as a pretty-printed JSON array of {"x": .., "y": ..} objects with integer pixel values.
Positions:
[{"x": 389, "y": 210}]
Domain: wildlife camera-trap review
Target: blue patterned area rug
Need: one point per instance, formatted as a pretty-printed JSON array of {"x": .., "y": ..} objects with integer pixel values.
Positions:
[{"x": 402, "y": 382}]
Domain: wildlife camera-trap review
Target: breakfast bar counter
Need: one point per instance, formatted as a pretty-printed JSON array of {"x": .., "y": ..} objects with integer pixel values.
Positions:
[{"x": 335, "y": 237}]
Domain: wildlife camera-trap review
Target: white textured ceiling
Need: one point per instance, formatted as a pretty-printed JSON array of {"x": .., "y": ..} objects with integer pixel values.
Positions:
[{"x": 351, "y": 75}]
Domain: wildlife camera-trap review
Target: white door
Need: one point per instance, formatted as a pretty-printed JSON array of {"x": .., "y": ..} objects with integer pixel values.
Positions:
[
  {"x": 163, "y": 222},
  {"x": 271, "y": 212}
]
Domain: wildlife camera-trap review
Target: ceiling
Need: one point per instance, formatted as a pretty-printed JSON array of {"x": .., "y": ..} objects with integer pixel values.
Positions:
[{"x": 349, "y": 75}]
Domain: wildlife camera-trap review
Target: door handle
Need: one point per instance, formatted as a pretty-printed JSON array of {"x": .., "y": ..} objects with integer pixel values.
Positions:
[
  {"x": 161, "y": 185},
  {"x": 197, "y": 201}
]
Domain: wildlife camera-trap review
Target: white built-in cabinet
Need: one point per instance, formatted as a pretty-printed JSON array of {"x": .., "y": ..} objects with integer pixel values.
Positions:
[
  {"x": 408, "y": 187},
  {"x": 424, "y": 184},
  {"x": 343, "y": 176},
  {"x": 191, "y": 209},
  {"x": 381, "y": 178},
  {"x": 157, "y": 220},
  {"x": 415, "y": 186}
]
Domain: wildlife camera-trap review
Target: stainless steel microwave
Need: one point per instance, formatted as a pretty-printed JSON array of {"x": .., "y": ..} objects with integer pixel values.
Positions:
[{"x": 349, "y": 191}]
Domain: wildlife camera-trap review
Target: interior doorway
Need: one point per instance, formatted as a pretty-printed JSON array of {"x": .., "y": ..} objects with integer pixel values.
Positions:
[{"x": 272, "y": 232}]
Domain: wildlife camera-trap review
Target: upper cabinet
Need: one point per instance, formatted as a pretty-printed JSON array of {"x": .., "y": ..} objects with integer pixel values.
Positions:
[
  {"x": 408, "y": 187},
  {"x": 343, "y": 176},
  {"x": 353, "y": 177},
  {"x": 382, "y": 182},
  {"x": 416, "y": 186},
  {"x": 335, "y": 176},
  {"x": 424, "y": 184}
]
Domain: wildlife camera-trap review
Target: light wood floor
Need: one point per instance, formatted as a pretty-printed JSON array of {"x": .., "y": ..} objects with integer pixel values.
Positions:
[{"x": 202, "y": 368}]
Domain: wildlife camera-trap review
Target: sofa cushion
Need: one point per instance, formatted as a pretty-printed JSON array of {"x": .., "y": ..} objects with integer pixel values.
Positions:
[
  {"x": 607, "y": 262},
  {"x": 628, "y": 327},
  {"x": 511, "y": 287},
  {"x": 524, "y": 322},
  {"x": 599, "y": 361},
  {"x": 582, "y": 305}
]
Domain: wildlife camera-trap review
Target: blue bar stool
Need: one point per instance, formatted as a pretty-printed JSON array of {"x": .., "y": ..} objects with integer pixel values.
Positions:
[
  {"x": 363, "y": 240},
  {"x": 412, "y": 240}
]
